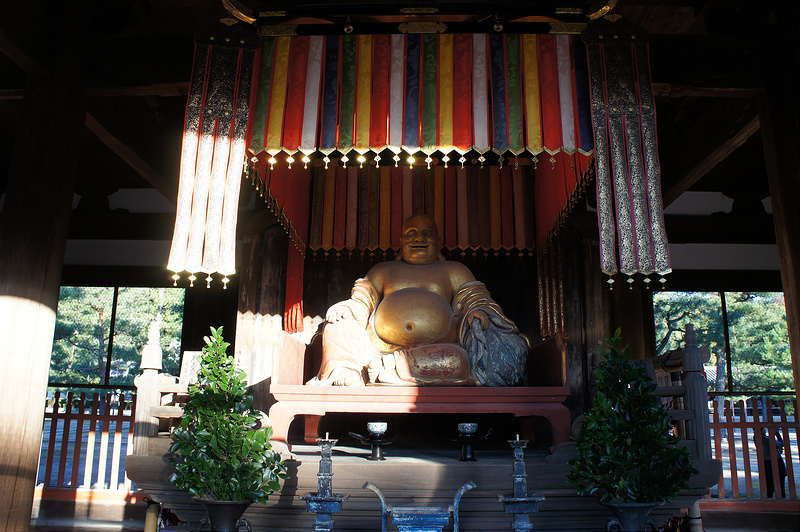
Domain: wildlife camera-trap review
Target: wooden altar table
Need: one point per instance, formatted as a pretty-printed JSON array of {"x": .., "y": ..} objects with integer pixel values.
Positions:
[{"x": 313, "y": 402}]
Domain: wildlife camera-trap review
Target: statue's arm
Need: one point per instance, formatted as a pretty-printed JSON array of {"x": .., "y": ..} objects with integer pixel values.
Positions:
[
  {"x": 360, "y": 306},
  {"x": 473, "y": 301}
]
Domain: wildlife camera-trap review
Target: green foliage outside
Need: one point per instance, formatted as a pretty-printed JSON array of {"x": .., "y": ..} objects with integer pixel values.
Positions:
[
  {"x": 83, "y": 333},
  {"x": 222, "y": 455},
  {"x": 626, "y": 451},
  {"x": 757, "y": 330}
]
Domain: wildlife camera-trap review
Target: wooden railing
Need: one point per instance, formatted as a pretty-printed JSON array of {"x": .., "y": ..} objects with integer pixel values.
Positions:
[
  {"x": 736, "y": 428},
  {"x": 85, "y": 441}
]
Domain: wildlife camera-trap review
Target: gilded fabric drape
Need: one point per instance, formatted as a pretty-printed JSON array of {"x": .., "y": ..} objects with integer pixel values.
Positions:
[
  {"x": 629, "y": 204},
  {"x": 212, "y": 156}
]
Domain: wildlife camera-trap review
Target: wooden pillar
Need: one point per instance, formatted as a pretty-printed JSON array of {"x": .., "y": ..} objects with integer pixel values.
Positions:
[
  {"x": 633, "y": 313},
  {"x": 259, "y": 322},
  {"x": 780, "y": 133},
  {"x": 33, "y": 234}
]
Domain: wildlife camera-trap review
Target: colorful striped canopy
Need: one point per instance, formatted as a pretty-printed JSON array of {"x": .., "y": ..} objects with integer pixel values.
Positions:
[{"x": 428, "y": 93}]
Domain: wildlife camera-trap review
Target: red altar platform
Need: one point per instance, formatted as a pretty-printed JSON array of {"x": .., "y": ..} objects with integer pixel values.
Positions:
[{"x": 313, "y": 402}]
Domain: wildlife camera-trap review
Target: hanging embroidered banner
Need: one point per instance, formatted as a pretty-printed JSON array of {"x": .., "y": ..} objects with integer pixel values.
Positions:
[
  {"x": 448, "y": 93},
  {"x": 629, "y": 203},
  {"x": 213, "y": 154}
]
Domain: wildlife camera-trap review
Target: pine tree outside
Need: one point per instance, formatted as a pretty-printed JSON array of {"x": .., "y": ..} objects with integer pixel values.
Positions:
[
  {"x": 745, "y": 332},
  {"x": 100, "y": 333}
]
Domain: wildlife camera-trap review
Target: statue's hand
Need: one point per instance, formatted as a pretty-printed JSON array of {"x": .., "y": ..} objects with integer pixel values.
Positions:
[
  {"x": 481, "y": 316},
  {"x": 339, "y": 311}
]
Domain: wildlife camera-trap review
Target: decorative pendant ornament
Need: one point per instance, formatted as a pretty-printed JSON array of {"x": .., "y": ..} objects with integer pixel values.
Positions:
[
  {"x": 396, "y": 160},
  {"x": 326, "y": 160},
  {"x": 225, "y": 282},
  {"x": 305, "y": 160},
  {"x": 361, "y": 160},
  {"x": 191, "y": 280},
  {"x": 344, "y": 161},
  {"x": 445, "y": 159},
  {"x": 481, "y": 160},
  {"x": 428, "y": 160},
  {"x": 462, "y": 160},
  {"x": 272, "y": 161},
  {"x": 377, "y": 161},
  {"x": 410, "y": 160},
  {"x": 535, "y": 162},
  {"x": 499, "y": 161},
  {"x": 208, "y": 281},
  {"x": 290, "y": 160},
  {"x": 175, "y": 279}
]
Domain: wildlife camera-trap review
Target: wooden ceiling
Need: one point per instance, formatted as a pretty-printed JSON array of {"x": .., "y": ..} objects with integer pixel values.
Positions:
[{"x": 704, "y": 59}]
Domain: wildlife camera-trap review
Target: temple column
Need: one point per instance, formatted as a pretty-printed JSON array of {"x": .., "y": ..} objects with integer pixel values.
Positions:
[
  {"x": 780, "y": 133},
  {"x": 33, "y": 235}
]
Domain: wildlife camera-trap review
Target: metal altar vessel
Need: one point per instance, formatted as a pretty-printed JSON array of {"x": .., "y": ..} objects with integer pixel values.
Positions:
[
  {"x": 420, "y": 519},
  {"x": 376, "y": 440},
  {"x": 520, "y": 503},
  {"x": 323, "y": 502}
]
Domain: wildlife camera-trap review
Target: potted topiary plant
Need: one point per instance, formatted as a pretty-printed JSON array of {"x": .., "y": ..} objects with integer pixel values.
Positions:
[
  {"x": 222, "y": 455},
  {"x": 626, "y": 453}
]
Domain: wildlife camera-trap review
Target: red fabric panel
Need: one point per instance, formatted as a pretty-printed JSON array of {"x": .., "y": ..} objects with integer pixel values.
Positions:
[
  {"x": 548, "y": 76},
  {"x": 297, "y": 202},
  {"x": 550, "y": 195},
  {"x": 462, "y": 91},
  {"x": 379, "y": 104},
  {"x": 277, "y": 184},
  {"x": 295, "y": 102}
]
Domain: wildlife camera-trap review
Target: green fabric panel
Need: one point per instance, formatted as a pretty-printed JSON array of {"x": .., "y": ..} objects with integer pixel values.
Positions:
[
  {"x": 348, "y": 94},
  {"x": 514, "y": 94},
  {"x": 430, "y": 130},
  {"x": 262, "y": 95}
]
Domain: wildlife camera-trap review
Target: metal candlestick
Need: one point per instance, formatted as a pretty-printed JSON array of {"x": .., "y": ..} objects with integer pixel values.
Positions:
[
  {"x": 323, "y": 502},
  {"x": 520, "y": 504}
]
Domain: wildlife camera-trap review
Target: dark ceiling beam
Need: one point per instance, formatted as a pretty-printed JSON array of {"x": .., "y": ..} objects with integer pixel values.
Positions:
[
  {"x": 120, "y": 225},
  {"x": 178, "y": 88},
  {"x": 719, "y": 229},
  {"x": 132, "y": 159},
  {"x": 31, "y": 64},
  {"x": 681, "y": 171},
  {"x": 671, "y": 90},
  {"x": 704, "y": 61},
  {"x": 694, "y": 229},
  {"x": 272, "y": 12}
]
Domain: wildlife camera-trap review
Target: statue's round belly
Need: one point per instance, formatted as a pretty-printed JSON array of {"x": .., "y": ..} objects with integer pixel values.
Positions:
[{"x": 412, "y": 317}]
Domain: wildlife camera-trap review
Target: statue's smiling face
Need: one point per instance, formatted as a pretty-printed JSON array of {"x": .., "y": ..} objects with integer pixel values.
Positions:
[{"x": 420, "y": 242}]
